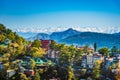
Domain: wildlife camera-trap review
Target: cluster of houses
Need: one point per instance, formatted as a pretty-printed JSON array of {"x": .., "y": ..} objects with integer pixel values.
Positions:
[
  {"x": 24, "y": 63},
  {"x": 88, "y": 60}
]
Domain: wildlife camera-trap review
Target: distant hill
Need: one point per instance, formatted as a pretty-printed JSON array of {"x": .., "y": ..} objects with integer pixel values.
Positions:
[
  {"x": 117, "y": 33},
  {"x": 106, "y": 40},
  {"x": 39, "y": 36},
  {"x": 57, "y": 36},
  {"x": 71, "y": 36}
]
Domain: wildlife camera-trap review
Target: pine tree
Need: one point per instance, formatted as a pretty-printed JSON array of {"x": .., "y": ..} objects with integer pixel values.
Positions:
[{"x": 95, "y": 47}]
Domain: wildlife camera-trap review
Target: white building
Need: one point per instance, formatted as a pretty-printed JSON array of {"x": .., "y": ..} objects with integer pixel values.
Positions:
[{"x": 88, "y": 60}]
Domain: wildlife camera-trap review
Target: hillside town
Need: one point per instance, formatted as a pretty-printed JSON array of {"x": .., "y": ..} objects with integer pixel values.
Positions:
[{"x": 48, "y": 60}]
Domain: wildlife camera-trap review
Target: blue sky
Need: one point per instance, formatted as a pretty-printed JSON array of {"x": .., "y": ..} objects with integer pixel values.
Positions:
[{"x": 54, "y": 13}]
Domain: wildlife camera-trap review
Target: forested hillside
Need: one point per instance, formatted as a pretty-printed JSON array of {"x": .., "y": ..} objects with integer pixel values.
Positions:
[
  {"x": 103, "y": 40},
  {"x": 8, "y": 34}
]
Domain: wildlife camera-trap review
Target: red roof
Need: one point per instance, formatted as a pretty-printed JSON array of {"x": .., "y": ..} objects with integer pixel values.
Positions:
[
  {"x": 46, "y": 44},
  {"x": 29, "y": 72}
]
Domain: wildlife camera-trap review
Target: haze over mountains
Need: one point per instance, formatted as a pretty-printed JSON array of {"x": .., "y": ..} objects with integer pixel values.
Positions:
[
  {"x": 71, "y": 36},
  {"x": 58, "y": 29}
]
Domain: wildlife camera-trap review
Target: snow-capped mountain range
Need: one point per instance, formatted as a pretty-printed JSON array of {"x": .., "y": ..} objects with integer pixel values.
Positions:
[
  {"x": 71, "y": 36},
  {"x": 109, "y": 30}
]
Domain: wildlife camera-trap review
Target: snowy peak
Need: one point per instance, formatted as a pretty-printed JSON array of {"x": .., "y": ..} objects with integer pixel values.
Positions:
[{"x": 49, "y": 30}]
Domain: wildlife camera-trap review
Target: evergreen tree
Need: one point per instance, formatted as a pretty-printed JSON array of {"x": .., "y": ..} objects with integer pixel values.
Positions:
[
  {"x": 86, "y": 49},
  {"x": 114, "y": 50},
  {"x": 36, "y": 43},
  {"x": 104, "y": 51},
  {"x": 95, "y": 47},
  {"x": 53, "y": 45}
]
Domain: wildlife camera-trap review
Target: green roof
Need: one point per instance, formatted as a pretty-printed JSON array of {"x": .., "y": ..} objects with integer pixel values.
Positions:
[
  {"x": 3, "y": 45},
  {"x": 1, "y": 55},
  {"x": 38, "y": 61}
]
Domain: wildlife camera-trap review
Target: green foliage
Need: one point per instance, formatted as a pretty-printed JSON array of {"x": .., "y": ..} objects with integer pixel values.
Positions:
[
  {"x": 37, "y": 52},
  {"x": 37, "y": 76},
  {"x": 15, "y": 50},
  {"x": 101, "y": 39},
  {"x": 5, "y": 58},
  {"x": 86, "y": 48},
  {"x": 36, "y": 43},
  {"x": 118, "y": 51},
  {"x": 78, "y": 57},
  {"x": 113, "y": 65},
  {"x": 19, "y": 40},
  {"x": 2, "y": 38},
  {"x": 7, "y": 33},
  {"x": 104, "y": 51},
  {"x": 16, "y": 45},
  {"x": 32, "y": 63},
  {"x": 2, "y": 28},
  {"x": 114, "y": 50},
  {"x": 96, "y": 70},
  {"x": 3, "y": 49},
  {"x": 95, "y": 47},
  {"x": 53, "y": 45},
  {"x": 69, "y": 55},
  {"x": 23, "y": 76},
  {"x": 11, "y": 36},
  {"x": 70, "y": 73}
]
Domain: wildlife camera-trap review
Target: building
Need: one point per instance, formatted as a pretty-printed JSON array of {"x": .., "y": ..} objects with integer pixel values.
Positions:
[
  {"x": 83, "y": 62},
  {"x": 46, "y": 44},
  {"x": 1, "y": 65},
  {"x": 10, "y": 73},
  {"x": 38, "y": 61},
  {"x": 26, "y": 61},
  {"x": 53, "y": 55},
  {"x": 97, "y": 56},
  {"x": 88, "y": 60},
  {"x": 29, "y": 72},
  {"x": 108, "y": 62}
]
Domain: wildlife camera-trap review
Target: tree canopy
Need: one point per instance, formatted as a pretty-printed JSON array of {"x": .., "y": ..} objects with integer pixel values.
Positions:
[{"x": 104, "y": 51}]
